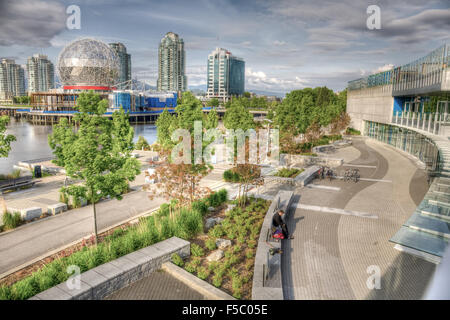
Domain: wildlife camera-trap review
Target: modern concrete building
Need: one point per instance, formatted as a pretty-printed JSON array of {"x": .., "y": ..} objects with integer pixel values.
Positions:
[
  {"x": 171, "y": 64},
  {"x": 225, "y": 74},
  {"x": 124, "y": 64},
  {"x": 12, "y": 80},
  {"x": 408, "y": 108},
  {"x": 41, "y": 73}
]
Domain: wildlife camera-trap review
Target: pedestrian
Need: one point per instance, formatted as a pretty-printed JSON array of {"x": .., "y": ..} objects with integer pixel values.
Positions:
[{"x": 278, "y": 222}]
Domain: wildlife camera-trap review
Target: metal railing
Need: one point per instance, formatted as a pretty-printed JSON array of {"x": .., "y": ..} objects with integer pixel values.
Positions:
[{"x": 433, "y": 123}]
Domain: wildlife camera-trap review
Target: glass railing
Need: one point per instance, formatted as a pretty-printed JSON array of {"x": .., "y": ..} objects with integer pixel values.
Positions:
[{"x": 433, "y": 123}]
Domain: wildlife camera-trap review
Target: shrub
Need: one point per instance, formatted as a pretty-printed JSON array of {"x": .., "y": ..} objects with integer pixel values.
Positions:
[
  {"x": 217, "y": 231},
  {"x": 11, "y": 221},
  {"x": 196, "y": 261},
  {"x": 176, "y": 259},
  {"x": 247, "y": 278},
  {"x": 214, "y": 200},
  {"x": 203, "y": 273},
  {"x": 288, "y": 173},
  {"x": 249, "y": 264},
  {"x": 217, "y": 280},
  {"x": 251, "y": 244},
  {"x": 5, "y": 293},
  {"x": 188, "y": 223},
  {"x": 190, "y": 268},
  {"x": 241, "y": 239},
  {"x": 210, "y": 244},
  {"x": 197, "y": 251},
  {"x": 351, "y": 131},
  {"x": 237, "y": 293},
  {"x": 230, "y": 176},
  {"x": 249, "y": 254},
  {"x": 200, "y": 206},
  {"x": 223, "y": 195},
  {"x": 213, "y": 265},
  {"x": 236, "y": 281},
  {"x": 237, "y": 248}
]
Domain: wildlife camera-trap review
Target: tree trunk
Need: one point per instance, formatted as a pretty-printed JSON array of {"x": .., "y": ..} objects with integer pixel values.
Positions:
[{"x": 95, "y": 217}]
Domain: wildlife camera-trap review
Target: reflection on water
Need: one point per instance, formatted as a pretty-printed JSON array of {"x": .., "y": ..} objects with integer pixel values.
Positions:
[{"x": 32, "y": 142}]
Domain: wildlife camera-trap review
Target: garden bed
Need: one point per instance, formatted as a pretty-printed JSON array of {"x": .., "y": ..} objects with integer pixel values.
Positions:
[
  {"x": 185, "y": 223},
  {"x": 288, "y": 172},
  {"x": 233, "y": 273}
]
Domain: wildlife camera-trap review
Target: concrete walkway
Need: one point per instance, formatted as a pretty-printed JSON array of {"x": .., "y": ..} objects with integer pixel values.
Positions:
[{"x": 331, "y": 253}]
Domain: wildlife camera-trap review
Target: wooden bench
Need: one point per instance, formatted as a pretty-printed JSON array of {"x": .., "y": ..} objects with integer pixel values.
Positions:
[{"x": 15, "y": 184}]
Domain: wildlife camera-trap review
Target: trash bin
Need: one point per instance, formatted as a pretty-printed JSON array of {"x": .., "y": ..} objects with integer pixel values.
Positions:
[{"x": 37, "y": 172}]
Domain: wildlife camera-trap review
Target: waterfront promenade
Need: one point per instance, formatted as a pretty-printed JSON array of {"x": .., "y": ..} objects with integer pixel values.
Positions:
[{"x": 343, "y": 228}]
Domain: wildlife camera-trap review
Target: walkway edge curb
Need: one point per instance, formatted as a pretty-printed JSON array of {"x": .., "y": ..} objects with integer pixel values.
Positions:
[{"x": 201, "y": 286}]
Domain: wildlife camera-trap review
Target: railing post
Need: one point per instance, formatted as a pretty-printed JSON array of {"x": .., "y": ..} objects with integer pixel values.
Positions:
[
  {"x": 424, "y": 116},
  {"x": 435, "y": 122},
  {"x": 429, "y": 121}
]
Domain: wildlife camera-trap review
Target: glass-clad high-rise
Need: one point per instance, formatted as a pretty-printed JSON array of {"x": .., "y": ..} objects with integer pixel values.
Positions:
[
  {"x": 171, "y": 64},
  {"x": 124, "y": 64},
  {"x": 226, "y": 75},
  {"x": 41, "y": 73}
]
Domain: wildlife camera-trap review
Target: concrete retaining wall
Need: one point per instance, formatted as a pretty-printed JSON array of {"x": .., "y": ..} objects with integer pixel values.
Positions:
[
  {"x": 374, "y": 104},
  {"x": 99, "y": 282},
  {"x": 296, "y": 160},
  {"x": 269, "y": 288}
]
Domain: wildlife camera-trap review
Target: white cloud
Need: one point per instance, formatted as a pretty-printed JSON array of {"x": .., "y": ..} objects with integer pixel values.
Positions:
[
  {"x": 386, "y": 67},
  {"x": 259, "y": 80}
]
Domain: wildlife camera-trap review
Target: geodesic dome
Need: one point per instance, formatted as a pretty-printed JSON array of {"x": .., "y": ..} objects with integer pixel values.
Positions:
[{"x": 88, "y": 62}]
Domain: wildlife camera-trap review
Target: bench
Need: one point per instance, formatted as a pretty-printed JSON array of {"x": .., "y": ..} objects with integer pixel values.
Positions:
[
  {"x": 11, "y": 184},
  {"x": 283, "y": 202},
  {"x": 267, "y": 283}
]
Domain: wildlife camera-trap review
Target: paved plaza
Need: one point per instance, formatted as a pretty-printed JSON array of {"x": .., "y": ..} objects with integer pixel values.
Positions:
[
  {"x": 157, "y": 286},
  {"x": 343, "y": 228}
]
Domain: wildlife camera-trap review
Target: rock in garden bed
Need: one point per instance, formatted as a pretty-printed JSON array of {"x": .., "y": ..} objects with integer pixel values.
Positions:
[{"x": 215, "y": 255}]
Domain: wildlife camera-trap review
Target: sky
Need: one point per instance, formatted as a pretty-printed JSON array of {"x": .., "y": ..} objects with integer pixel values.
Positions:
[{"x": 286, "y": 44}]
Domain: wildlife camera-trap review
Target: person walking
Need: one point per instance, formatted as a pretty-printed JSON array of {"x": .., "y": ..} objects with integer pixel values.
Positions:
[{"x": 278, "y": 222}]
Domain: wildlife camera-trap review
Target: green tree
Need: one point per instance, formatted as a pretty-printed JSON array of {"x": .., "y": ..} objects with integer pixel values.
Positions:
[
  {"x": 5, "y": 139},
  {"x": 189, "y": 110},
  {"x": 163, "y": 128},
  {"x": 212, "y": 120},
  {"x": 181, "y": 181},
  {"x": 237, "y": 116},
  {"x": 214, "y": 102},
  {"x": 142, "y": 144},
  {"x": 247, "y": 94},
  {"x": 98, "y": 153}
]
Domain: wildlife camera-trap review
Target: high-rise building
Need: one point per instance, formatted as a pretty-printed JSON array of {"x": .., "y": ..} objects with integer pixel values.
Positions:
[
  {"x": 12, "y": 79},
  {"x": 226, "y": 75},
  {"x": 171, "y": 64},
  {"x": 41, "y": 73},
  {"x": 124, "y": 64}
]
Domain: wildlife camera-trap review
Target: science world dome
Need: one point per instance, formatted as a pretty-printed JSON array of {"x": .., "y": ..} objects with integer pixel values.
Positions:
[{"x": 88, "y": 64}]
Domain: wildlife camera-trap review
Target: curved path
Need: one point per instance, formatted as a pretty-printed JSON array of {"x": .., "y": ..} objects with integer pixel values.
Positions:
[{"x": 332, "y": 251}]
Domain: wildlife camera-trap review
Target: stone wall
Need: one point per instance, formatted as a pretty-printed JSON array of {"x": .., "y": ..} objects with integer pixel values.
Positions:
[
  {"x": 107, "y": 278},
  {"x": 296, "y": 160},
  {"x": 270, "y": 287}
]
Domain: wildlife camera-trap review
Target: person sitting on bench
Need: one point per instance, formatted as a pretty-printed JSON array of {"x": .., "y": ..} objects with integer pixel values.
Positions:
[{"x": 278, "y": 222}]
